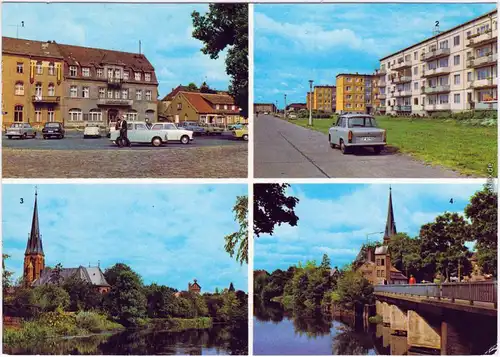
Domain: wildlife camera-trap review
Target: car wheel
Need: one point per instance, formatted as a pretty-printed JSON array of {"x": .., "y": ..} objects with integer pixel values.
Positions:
[
  {"x": 24, "y": 136},
  {"x": 45, "y": 137},
  {"x": 185, "y": 139},
  {"x": 34, "y": 135},
  {"x": 61, "y": 136},
  {"x": 85, "y": 137},
  {"x": 245, "y": 137},
  {"x": 377, "y": 149},
  {"x": 9, "y": 137},
  {"x": 156, "y": 142},
  {"x": 343, "y": 148},
  {"x": 332, "y": 145}
]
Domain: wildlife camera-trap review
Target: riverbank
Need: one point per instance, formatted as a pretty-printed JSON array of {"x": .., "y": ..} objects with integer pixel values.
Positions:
[{"x": 180, "y": 324}]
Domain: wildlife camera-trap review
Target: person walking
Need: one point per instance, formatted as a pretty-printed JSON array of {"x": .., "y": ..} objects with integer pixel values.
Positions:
[{"x": 123, "y": 131}]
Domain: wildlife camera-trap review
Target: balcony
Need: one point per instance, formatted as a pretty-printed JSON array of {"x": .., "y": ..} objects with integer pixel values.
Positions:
[
  {"x": 380, "y": 72},
  {"x": 484, "y": 83},
  {"x": 381, "y": 96},
  {"x": 436, "y": 89},
  {"x": 401, "y": 79},
  {"x": 401, "y": 65},
  {"x": 437, "y": 107},
  {"x": 488, "y": 60},
  {"x": 115, "y": 81},
  {"x": 402, "y": 108},
  {"x": 486, "y": 105},
  {"x": 436, "y": 72},
  {"x": 479, "y": 39},
  {"x": 429, "y": 56},
  {"x": 402, "y": 93},
  {"x": 45, "y": 99},
  {"x": 116, "y": 102},
  {"x": 381, "y": 84}
]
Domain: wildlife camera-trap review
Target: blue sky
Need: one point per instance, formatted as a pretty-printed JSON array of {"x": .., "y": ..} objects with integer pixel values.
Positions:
[
  {"x": 164, "y": 29},
  {"x": 169, "y": 234},
  {"x": 335, "y": 218},
  {"x": 295, "y": 43}
]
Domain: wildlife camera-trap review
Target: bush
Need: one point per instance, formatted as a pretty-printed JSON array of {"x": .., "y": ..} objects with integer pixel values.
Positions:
[
  {"x": 377, "y": 319},
  {"x": 95, "y": 322}
]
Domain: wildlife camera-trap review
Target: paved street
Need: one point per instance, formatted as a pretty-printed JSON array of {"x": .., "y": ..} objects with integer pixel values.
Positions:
[{"x": 285, "y": 150}]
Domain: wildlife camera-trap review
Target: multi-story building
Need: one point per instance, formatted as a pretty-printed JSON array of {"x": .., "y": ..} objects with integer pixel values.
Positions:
[
  {"x": 32, "y": 81},
  {"x": 379, "y": 95},
  {"x": 264, "y": 108},
  {"x": 324, "y": 98},
  {"x": 455, "y": 70},
  {"x": 353, "y": 93},
  {"x": 310, "y": 100}
]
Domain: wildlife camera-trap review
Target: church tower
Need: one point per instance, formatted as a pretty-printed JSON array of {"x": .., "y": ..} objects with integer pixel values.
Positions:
[
  {"x": 34, "y": 258},
  {"x": 390, "y": 226}
]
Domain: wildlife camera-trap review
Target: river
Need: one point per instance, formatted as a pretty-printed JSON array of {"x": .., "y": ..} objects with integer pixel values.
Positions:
[
  {"x": 217, "y": 340},
  {"x": 277, "y": 332}
]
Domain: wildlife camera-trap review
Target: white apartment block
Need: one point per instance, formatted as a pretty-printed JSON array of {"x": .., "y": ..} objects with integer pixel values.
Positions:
[{"x": 455, "y": 70}]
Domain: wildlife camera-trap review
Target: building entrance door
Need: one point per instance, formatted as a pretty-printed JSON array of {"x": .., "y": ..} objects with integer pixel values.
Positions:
[{"x": 112, "y": 116}]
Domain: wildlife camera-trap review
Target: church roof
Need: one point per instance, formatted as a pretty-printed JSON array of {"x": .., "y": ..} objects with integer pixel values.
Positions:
[
  {"x": 390, "y": 226},
  {"x": 91, "y": 275},
  {"x": 35, "y": 245}
]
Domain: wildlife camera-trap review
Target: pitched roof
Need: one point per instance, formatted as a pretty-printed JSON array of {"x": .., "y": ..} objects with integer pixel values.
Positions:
[
  {"x": 381, "y": 250},
  {"x": 203, "y": 102},
  {"x": 91, "y": 275},
  {"x": 173, "y": 93},
  {"x": 30, "y": 48},
  {"x": 390, "y": 226},
  {"x": 35, "y": 245},
  {"x": 218, "y": 98}
]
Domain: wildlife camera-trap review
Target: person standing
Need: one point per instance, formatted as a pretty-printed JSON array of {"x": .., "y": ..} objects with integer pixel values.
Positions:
[
  {"x": 123, "y": 131},
  {"x": 412, "y": 280}
]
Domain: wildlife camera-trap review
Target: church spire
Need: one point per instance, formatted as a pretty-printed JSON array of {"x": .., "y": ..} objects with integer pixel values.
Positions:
[
  {"x": 34, "y": 245},
  {"x": 390, "y": 226}
]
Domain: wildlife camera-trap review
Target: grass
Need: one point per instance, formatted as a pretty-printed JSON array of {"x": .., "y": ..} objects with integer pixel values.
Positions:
[{"x": 453, "y": 144}]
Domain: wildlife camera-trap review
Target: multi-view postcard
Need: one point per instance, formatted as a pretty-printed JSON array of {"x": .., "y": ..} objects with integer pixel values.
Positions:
[
  {"x": 145, "y": 272},
  {"x": 104, "y": 93},
  {"x": 375, "y": 90},
  {"x": 364, "y": 269}
]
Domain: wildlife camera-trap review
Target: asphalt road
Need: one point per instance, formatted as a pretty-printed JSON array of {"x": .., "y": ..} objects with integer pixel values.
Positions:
[
  {"x": 74, "y": 141},
  {"x": 285, "y": 150}
]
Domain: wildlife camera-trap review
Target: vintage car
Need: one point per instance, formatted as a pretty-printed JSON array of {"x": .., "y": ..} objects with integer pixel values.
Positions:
[
  {"x": 212, "y": 129},
  {"x": 158, "y": 134},
  {"x": 21, "y": 131},
  {"x": 237, "y": 126},
  {"x": 356, "y": 130},
  {"x": 53, "y": 129},
  {"x": 241, "y": 133},
  {"x": 194, "y": 127},
  {"x": 92, "y": 131}
]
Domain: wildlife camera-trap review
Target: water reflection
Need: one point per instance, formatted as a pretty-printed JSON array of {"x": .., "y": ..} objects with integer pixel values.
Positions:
[{"x": 232, "y": 340}]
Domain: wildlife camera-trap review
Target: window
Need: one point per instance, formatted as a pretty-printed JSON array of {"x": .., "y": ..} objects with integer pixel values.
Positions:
[
  {"x": 99, "y": 72},
  {"x": 86, "y": 72},
  {"x": 38, "y": 89},
  {"x": 38, "y": 114},
  {"x": 138, "y": 94},
  {"x": 456, "y": 79},
  {"x": 110, "y": 73},
  {"x": 117, "y": 94},
  {"x": 124, "y": 93},
  {"x": 147, "y": 77},
  {"x": 415, "y": 70},
  {"x": 85, "y": 92},
  {"x": 469, "y": 76},
  {"x": 73, "y": 91},
  {"x": 102, "y": 93},
  {"x": 52, "y": 89},
  {"x": 443, "y": 44},
  {"x": 456, "y": 60},
  {"x": 19, "y": 88},
  {"x": 39, "y": 68},
  {"x": 456, "y": 98},
  {"x": 408, "y": 58},
  {"x": 95, "y": 115},
  {"x": 18, "y": 113},
  {"x": 72, "y": 71},
  {"x": 110, "y": 93},
  {"x": 137, "y": 76},
  {"x": 51, "y": 115},
  {"x": 217, "y": 106},
  {"x": 125, "y": 75},
  {"x": 117, "y": 73},
  {"x": 148, "y": 95},
  {"x": 348, "y": 88},
  {"x": 132, "y": 116},
  {"x": 51, "y": 68},
  {"x": 415, "y": 85},
  {"x": 179, "y": 106},
  {"x": 415, "y": 55},
  {"x": 20, "y": 67},
  {"x": 456, "y": 40},
  {"x": 75, "y": 115},
  {"x": 415, "y": 101}
]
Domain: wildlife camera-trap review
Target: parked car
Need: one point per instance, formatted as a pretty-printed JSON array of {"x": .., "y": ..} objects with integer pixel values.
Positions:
[
  {"x": 53, "y": 129},
  {"x": 292, "y": 116},
  {"x": 237, "y": 126},
  {"x": 21, "y": 131},
  {"x": 92, "y": 131},
  {"x": 160, "y": 133},
  {"x": 357, "y": 130},
  {"x": 241, "y": 133},
  {"x": 194, "y": 127},
  {"x": 212, "y": 129}
]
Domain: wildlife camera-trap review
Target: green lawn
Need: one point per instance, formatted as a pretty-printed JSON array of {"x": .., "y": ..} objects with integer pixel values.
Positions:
[{"x": 449, "y": 143}]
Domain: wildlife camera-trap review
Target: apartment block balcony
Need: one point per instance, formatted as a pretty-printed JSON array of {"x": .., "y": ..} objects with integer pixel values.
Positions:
[
  {"x": 484, "y": 83},
  {"x": 402, "y": 108},
  {"x": 480, "y": 39},
  {"x": 435, "y": 90},
  {"x": 115, "y": 102},
  {"x": 439, "y": 53},
  {"x": 45, "y": 99},
  {"x": 380, "y": 72},
  {"x": 401, "y": 79},
  {"x": 115, "y": 81},
  {"x": 436, "y": 72},
  {"x": 488, "y": 60},
  {"x": 381, "y": 96},
  {"x": 402, "y": 93},
  {"x": 493, "y": 105},
  {"x": 437, "y": 107},
  {"x": 381, "y": 84},
  {"x": 401, "y": 65}
]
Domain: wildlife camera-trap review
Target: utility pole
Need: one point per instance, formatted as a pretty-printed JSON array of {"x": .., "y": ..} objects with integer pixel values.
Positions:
[
  {"x": 310, "y": 102},
  {"x": 17, "y": 28},
  {"x": 276, "y": 110},
  {"x": 284, "y": 110}
]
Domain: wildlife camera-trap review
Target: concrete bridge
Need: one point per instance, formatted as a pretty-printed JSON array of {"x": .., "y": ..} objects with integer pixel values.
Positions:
[{"x": 455, "y": 318}]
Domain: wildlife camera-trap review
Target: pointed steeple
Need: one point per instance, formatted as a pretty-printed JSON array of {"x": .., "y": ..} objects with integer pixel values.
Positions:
[
  {"x": 390, "y": 226},
  {"x": 35, "y": 245}
]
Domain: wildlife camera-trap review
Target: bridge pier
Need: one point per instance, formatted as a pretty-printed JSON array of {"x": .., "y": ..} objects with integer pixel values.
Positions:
[
  {"x": 398, "y": 320},
  {"x": 386, "y": 314},
  {"x": 421, "y": 334},
  {"x": 399, "y": 345}
]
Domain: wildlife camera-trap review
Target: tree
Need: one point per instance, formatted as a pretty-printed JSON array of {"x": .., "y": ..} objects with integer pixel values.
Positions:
[
  {"x": 192, "y": 87},
  {"x": 55, "y": 275},
  {"x": 238, "y": 241},
  {"x": 6, "y": 275},
  {"x": 405, "y": 254},
  {"x": 231, "y": 287},
  {"x": 325, "y": 262},
  {"x": 216, "y": 291},
  {"x": 482, "y": 212},
  {"x": 272, "y": 207},
  {"x": 82, "y": 295},
  {"x": 204, "y": 88},
  {"x": 111, "y": 274},
  {"x": 50, "y": 297},
  {"x": 226, "y": 25},
  {"x": 353, "y": 289}
]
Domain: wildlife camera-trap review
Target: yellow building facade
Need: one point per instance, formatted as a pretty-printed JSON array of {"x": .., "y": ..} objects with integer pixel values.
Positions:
[
  {"x": 350, "y": 93},
  {"x": 323, "y": 97},
  {"x": 309, "y": 100},
  {"x": 32, "y": 85}
]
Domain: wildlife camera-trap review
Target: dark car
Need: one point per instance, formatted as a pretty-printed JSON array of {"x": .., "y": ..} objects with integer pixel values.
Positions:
[{"x": 53, "y": 129}]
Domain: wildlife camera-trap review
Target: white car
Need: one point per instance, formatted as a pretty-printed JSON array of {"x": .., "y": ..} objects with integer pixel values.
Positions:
[
  {"x": 92, "y": 131},
  {"x": 156, "y": 135}
]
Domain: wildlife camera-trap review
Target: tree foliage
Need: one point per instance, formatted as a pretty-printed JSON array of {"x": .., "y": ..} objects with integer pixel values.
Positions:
[
  {"x": 238, "y": 241},
  {"x": 50, "y": 297},
  {"x": 226, "y": 26},
  {"x": 6, "y": 275},
  {"x": 82, "y": 295},
  {"x": 272, "y": 207}
]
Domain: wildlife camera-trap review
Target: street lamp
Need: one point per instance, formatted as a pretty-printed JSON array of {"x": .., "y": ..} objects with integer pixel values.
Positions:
[
  {"x": 369, "y": 234},
  {"x": 284, "y": 110},
  {"x": 310, "y": 102},
  {"x": 17, "y": 28},
  {"x": 276, "y": 110}
]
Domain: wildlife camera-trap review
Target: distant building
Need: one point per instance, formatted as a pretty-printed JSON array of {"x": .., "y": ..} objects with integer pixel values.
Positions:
[
  {"x": 310, "y": 100},
  {"x": 259, "y": 108},
  {"x": 295, "y": 107},
  {"x": 324, "y": 98},
  {"x": 194, "y": 287},
  {"x": 353, "y": 93}
]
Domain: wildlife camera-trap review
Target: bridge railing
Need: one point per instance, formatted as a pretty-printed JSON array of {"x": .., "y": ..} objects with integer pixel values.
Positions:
[{"x": 471, "y": 292}]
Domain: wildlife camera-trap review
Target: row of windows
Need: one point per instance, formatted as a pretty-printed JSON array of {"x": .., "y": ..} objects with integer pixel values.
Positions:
[
  {"x": 38, "y": 68},
  {"x": 380, "y": 262},
  {"x": 76, "y": 114},
  {"x": 19, "y": 114},
  {"x": 380, "y": 274},
  {"x": 111, "y": 73},
  {"x": 104, "y": 93},
  {"x": 349, "y": 105},
  {"x": 19, "y": 89},
  {"x": 444, "y": 98},
  {"x": 216, "y": 106}
]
